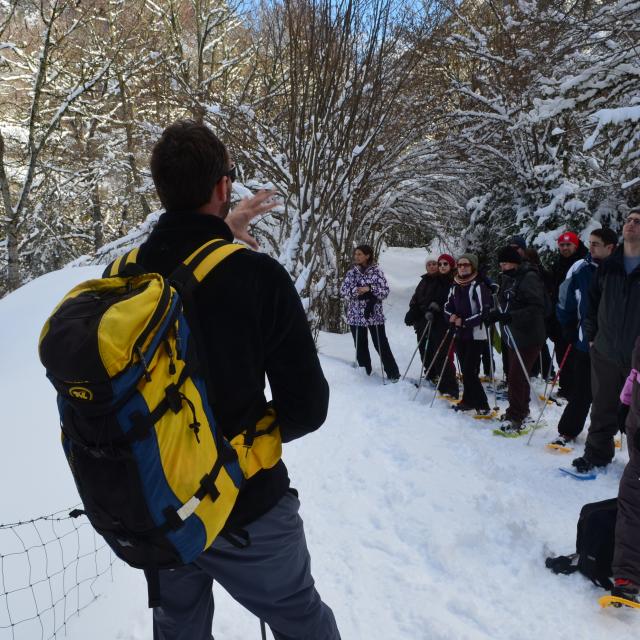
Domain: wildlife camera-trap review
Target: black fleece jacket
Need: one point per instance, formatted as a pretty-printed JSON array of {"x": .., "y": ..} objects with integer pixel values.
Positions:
[
  {"x": 431, "y": 288},
  {"x": 252, "y": 324},
  {"x": 613, "y": 317}
]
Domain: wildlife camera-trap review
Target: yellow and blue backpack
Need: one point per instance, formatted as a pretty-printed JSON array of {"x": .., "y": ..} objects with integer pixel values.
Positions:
[{"x": 156, "y": 476}]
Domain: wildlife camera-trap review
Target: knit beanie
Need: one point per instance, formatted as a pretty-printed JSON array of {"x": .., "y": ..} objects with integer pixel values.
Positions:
[
  {"x": 519, "y": 241},
  {"x": 509, "y": 254},
  {"x": 472, "y": 258},
  {"x": 569, "y": 236},
  {"x": 449, "y": 259}
]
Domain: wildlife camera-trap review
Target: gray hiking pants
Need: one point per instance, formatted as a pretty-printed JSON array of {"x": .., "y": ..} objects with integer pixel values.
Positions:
[
  {"x": 271, "y": 578},
  {"x": 607, "y": 380},
  {"x": 626, "y": 555}
]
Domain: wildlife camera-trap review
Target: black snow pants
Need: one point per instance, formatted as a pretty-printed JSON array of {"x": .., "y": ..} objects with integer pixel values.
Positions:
[
  {"x": 470, "y": 353},
  {"x": 381, "y": 344},
  {"x": 577, "y": 409}
]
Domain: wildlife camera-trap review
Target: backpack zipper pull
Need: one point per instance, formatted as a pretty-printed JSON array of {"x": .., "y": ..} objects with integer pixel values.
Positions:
[
  {"x": 147, "y": 375},
  {"x": 195, "y": 425},
  {"x": 172, "y": 366},
  {"x": 178, "y": 344}
]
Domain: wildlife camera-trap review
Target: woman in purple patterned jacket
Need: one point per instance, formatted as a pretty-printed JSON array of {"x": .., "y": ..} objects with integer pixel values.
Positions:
[{"x": 365, "y": 287}]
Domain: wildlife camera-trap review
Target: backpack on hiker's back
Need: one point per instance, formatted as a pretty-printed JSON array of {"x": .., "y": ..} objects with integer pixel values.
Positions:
[{"x": 156, "y": 476}]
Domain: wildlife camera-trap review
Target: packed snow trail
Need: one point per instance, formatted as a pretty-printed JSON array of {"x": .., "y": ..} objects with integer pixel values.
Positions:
[{"x": 420, "y": 522}]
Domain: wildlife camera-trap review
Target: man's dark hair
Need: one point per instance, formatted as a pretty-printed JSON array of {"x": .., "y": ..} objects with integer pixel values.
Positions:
[
  {"x": 367, "y": 250},
  {"x": 186, "y": 163},
  {"x": 608, "y": 236}
]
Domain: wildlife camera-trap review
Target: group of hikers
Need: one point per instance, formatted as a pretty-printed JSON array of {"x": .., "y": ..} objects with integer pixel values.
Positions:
[
  {"x": 184, "y": 374},
  {"x": 587, "y": 306}
]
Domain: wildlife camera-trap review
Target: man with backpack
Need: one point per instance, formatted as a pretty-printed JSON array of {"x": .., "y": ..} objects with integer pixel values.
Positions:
[
  {"x": 252, "y": 324},
  {"x": 174, "y": 449}
]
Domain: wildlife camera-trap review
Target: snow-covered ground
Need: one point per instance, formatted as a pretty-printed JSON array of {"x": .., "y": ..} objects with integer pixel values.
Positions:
[{"x": 421, "y": 523}]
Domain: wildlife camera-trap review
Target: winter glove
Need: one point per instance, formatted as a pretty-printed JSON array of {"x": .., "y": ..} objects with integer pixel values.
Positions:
[
  {"x": 429, "y": 316},
  {"x": 435, "y": 307},
  {"x": 370, "y": 303},
  {"x": 495, "y": 315},
  {"x": 621, "y": 418},
  {"x": 570, "y": 333},
  {"x": 413, "y": 315}
]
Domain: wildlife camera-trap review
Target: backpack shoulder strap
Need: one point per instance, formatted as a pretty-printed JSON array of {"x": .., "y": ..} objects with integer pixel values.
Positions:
[
  {"x": 201, "y": 262},
  {"x": 118, "y": 266},
  {"x": 189, "y": 273}
]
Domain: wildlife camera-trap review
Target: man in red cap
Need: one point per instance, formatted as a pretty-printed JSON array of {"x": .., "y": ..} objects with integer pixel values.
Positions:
[{"x": 570, "y": 250}]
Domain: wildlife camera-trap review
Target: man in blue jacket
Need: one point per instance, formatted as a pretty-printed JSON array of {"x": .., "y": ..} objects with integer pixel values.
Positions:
[{"x": 571, "y": 311}]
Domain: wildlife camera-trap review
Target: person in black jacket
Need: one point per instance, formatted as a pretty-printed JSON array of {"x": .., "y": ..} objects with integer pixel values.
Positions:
[
  {"x": 426, "y": 306},
  {"x": 611, "y": 327},
  {"x": 543, "y": 366},
  {"x": 252, "y": 325},
  {"x": 521, "y": 309}
]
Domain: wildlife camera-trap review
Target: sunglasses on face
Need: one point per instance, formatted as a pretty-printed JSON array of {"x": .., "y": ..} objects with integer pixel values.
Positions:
[{"x": 231, "y": 174}]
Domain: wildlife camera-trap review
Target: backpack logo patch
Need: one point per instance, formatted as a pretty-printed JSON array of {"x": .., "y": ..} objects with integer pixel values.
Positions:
[{"x": 81, "y": 393}]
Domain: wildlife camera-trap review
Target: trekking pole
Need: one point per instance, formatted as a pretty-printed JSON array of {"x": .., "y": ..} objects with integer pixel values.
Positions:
[
  {"x": 491, "y": 369},
  {"x": 263, "y": 630},
  {"x": 435, "y": 357},
  {"x": 553, "y": 384},
  {"x": 546, "y": 381},
  {"x": 540, "y": 364},
  {"x": 509, "y": 335},
  {"x": 507, "y": 332},
  {"x": 457, "y": 364},
  {"x": 377, "y": 326},
  {"x": 427, "y": 332},
  {"x": 355, "y": 362},
  {"x": 422, "y": 365},
  {"x": 444, "y": 364}
]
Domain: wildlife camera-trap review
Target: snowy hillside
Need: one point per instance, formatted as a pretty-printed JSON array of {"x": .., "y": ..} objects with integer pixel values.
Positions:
[{"x": 421, "y": 523}]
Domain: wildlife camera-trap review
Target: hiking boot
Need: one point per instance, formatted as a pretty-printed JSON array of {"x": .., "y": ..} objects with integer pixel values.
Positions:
[
  {"x": 462, "y": 406},
  {"x": 483, "y": 412},
  {"x": 562, "y": 441},
  {"x": 511, "y": 426},
  {"x": 626, "y": 589},
  {"x": 584, "y": 464},
  {"x": 450, "y": 393},
  {"x": 394, "y": 379}
]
